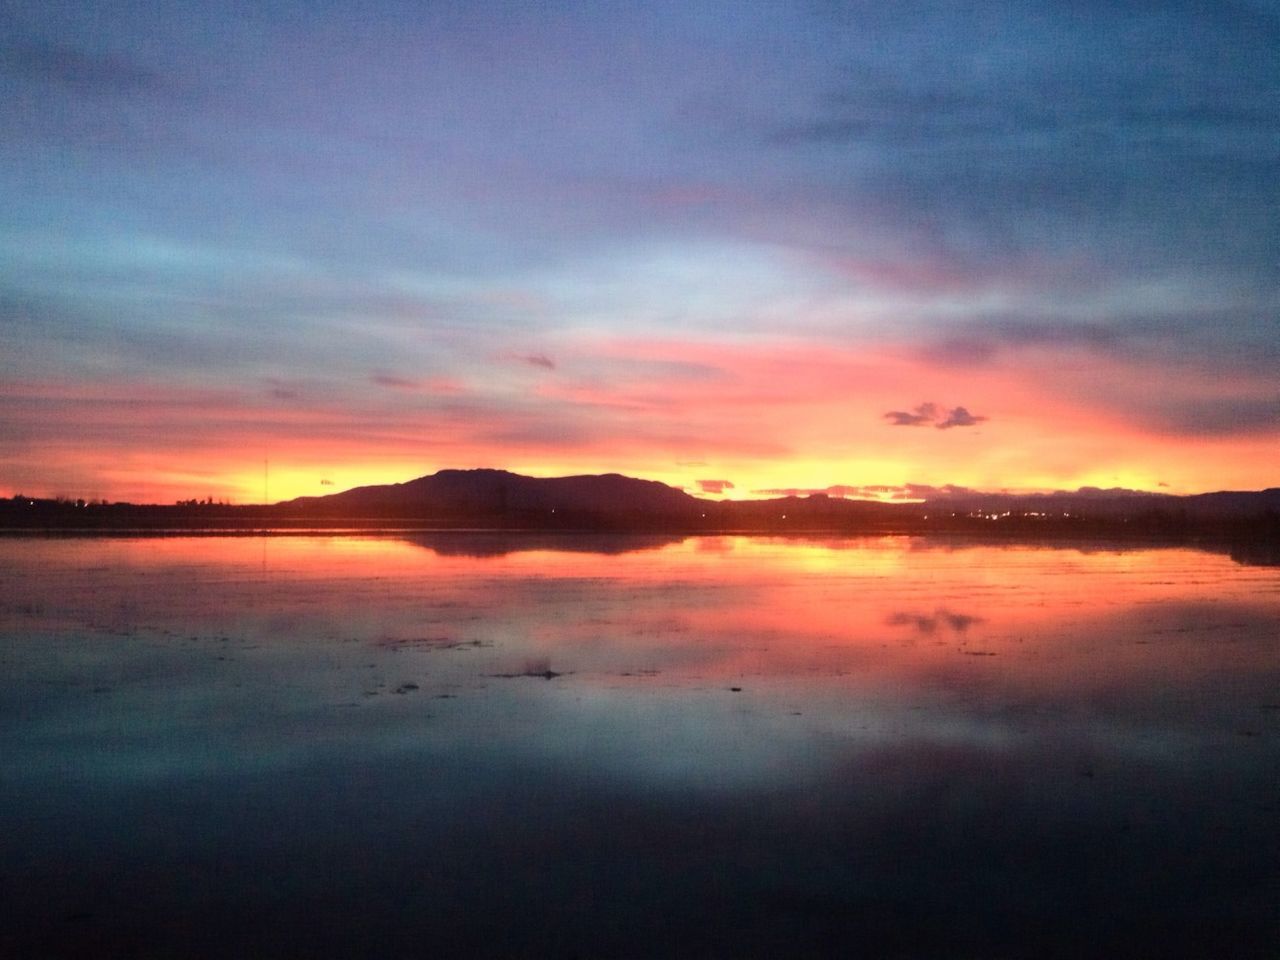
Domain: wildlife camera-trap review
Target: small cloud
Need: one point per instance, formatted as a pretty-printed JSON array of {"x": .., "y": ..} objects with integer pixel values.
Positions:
[
  {"x": 393, "y": 381},
  {"x": 921, "y": 415},
  {"x": 931, "y": 413},
  {"x": 959, "y": 417},
  {"x": 1161, "y": 483},
  {"x": 283, "y": 393},
  {"x": 539, "y": 360},
  {"x": 715, "y": 486},
  {"x": 326, "y": 483}
]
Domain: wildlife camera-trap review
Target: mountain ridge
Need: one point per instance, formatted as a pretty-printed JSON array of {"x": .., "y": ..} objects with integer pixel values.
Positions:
[{"x": 503, "y": 492}]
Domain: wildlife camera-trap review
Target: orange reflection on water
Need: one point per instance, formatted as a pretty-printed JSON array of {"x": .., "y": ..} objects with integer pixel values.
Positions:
[{"x": 703, "y": 610}]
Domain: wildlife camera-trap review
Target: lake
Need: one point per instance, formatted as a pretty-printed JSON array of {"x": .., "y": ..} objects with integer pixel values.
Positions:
[{"x": 485, "y": 744}]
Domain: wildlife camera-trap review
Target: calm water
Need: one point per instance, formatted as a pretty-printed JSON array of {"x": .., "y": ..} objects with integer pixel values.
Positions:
[{"x": 481, "y": 745}]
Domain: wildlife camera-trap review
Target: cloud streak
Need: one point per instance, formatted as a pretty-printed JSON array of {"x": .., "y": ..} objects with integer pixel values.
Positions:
[{"x": 875, "y": 491}]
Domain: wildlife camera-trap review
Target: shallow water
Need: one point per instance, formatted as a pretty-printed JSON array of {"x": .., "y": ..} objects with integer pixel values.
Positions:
[{"x": 497, "y": 745}]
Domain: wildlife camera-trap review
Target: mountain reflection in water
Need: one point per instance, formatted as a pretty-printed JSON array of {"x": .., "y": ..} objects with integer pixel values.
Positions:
[{"x": 533, "y": 745}]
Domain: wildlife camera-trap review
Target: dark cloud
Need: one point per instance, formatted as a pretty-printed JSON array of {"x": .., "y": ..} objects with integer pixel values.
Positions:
[
  {"x": 924, "y": 414},
  {"x": 539, "y": 360},
  {"x": 1139, "y": 146},
  {"x": 951, "y": 116},
  {"x": 715, "y": 486},
  {"x": 930, "y": 623},
  {"x": 326, "y": 483},
  {"x": 980, "y": 342},
  {"x": 931, "y": 414},
  {"x": 959, "y": 417}
]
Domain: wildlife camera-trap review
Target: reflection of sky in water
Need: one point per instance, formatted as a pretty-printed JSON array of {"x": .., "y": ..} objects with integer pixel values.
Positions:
[{"x": 755, "y": 686}]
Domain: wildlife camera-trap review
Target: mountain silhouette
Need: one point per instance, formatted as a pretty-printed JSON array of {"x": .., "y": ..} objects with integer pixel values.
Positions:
[{"x": 496, "y": 493}]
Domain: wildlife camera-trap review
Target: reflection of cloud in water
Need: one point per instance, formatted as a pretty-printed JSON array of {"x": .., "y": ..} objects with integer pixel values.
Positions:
[{"x": 928, "y": 623}]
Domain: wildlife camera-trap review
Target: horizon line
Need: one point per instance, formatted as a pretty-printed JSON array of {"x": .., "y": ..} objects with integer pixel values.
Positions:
[{"x": 916, "y": 493}]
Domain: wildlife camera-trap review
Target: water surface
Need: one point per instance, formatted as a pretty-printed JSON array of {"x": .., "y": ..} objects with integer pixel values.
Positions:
[{"x": 497, "y": 745}]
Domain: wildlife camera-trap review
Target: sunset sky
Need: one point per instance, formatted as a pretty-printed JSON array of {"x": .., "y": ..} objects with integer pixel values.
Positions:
[{"x": 737, "y": 247}]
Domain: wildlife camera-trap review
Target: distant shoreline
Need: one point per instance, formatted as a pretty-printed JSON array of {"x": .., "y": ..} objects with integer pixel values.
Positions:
[
  {"x": 960, "y": 528},
  {"x": 1257, "y": 548}
]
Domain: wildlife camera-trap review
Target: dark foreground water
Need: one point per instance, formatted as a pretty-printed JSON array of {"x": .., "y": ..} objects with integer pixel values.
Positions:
[{"x": 477, "y": 745}]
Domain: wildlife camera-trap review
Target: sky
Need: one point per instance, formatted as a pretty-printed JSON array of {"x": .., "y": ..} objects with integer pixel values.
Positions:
[{"x": 735, "y": 247}]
